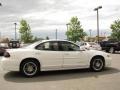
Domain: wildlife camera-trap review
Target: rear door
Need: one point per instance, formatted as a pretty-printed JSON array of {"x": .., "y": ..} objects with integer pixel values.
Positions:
[{"x": 49, "y": 55}]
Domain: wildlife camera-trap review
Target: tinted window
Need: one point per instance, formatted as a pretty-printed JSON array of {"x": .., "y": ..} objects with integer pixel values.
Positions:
[
  {"x": 67, "y": 46},
  {"x": 53, "y": 46}
]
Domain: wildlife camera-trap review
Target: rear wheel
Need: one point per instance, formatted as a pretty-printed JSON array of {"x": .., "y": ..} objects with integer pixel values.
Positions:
[
  {"x": 29, "y": 68},
  {"x": 97, "y": 64}
]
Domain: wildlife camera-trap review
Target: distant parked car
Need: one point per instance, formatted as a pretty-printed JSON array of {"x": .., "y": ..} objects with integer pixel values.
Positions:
[
  {"x": 53, "y": 55},
  {"x": 109, "y": 46},
  {"x": 14, "y": 44},
  {"x": 90, "y": 45}
]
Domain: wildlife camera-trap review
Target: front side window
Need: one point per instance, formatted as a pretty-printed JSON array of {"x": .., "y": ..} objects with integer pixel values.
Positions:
[{"x": 67, "y": 46}]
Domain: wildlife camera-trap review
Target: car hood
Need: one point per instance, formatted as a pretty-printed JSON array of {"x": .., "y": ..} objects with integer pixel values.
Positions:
[{"x": 96, "y": 52}]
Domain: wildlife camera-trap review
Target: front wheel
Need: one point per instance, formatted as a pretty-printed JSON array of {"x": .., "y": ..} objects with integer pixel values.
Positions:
[
  {"x": 97, "y": 64},
  {"x": 29, "y": 68}
]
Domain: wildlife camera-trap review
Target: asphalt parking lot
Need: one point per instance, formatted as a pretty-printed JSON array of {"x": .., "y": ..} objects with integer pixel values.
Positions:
[{"x": 83, "y": 79}]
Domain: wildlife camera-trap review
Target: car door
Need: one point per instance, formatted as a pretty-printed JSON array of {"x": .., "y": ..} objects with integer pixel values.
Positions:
[
  {"x": 49, "y": 55},
  {"x": 72, "y": 55}
]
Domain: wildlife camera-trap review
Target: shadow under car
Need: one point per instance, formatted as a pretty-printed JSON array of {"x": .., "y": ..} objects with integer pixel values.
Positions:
[{"x": 57, "y": 75}]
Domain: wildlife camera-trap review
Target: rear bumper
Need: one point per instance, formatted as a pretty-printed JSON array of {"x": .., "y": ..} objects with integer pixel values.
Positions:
[{"x": 9, "y": 65}]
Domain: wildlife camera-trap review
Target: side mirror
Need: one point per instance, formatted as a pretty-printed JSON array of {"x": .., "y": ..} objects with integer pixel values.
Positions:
[{"x": 82, "y": 49}]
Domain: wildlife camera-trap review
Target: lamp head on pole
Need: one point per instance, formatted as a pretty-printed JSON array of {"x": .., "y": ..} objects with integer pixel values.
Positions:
[
  {"x": 15, "y": 23},
  {"x": 99, "y": 7}
]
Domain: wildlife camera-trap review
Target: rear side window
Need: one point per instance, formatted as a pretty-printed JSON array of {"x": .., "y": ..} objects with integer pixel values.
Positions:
[{"x": 51, "y": 46}]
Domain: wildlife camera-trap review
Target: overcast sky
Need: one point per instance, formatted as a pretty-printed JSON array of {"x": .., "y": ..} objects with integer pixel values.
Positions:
[{"x": 44, "y": 16}]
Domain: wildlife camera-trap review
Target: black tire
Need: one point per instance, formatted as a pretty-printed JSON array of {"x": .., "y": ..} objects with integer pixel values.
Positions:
[
  {"x": 111, "y": 50},
  {"x": 97, "y": 64},
  {"x": 29, "y": 68}
]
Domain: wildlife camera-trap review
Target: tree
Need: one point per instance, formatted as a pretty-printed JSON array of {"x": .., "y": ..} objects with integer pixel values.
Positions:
[
  {"x": 75, "y": 31},
  {"x": 25, "y": 32},
  {"x": 35, "y": 39},
  {"x": 115, "y": 30}
]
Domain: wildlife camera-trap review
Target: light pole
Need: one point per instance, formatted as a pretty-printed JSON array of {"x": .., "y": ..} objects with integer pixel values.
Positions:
[
  {"x": 67, "y": 25},
  {"x": 101, "y": 34},
  {"x": 15, "y": 31},
  {"x": 56, "y": 34},
  {"x": 0, "y": 4},
  {"x": 0, "y": 32},
  {"x": 97, "y": 9},
  {"x": 67, "y": 28},
  {"x": 104, "y": 34},
  {"x": 90, "y": 32}
]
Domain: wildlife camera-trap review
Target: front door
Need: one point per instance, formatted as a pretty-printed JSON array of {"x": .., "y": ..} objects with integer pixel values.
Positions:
[{"x": 72, "y": 55}]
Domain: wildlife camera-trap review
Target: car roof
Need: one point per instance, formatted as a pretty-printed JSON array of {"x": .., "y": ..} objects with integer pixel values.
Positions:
[
  {"x": 57, "y": 40},
  {"x": 54, "y": 40},
  {"x": 42, "y": 41}
]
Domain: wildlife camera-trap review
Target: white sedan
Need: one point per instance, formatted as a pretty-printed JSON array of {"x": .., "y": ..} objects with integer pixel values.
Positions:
[{"x": 53, "y": 55}]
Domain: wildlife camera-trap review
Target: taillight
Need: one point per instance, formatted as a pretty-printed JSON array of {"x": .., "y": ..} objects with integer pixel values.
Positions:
[{"x": 6, "y": 54}]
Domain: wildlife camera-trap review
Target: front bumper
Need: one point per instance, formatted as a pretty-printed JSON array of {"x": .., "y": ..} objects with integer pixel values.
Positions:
[{"x": 9, "y": 65}]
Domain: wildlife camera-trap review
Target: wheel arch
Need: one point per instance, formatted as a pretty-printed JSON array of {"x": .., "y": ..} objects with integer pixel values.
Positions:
[
  {"x": 97, "y": 56},
  {"x": 30, "y": 58}
]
